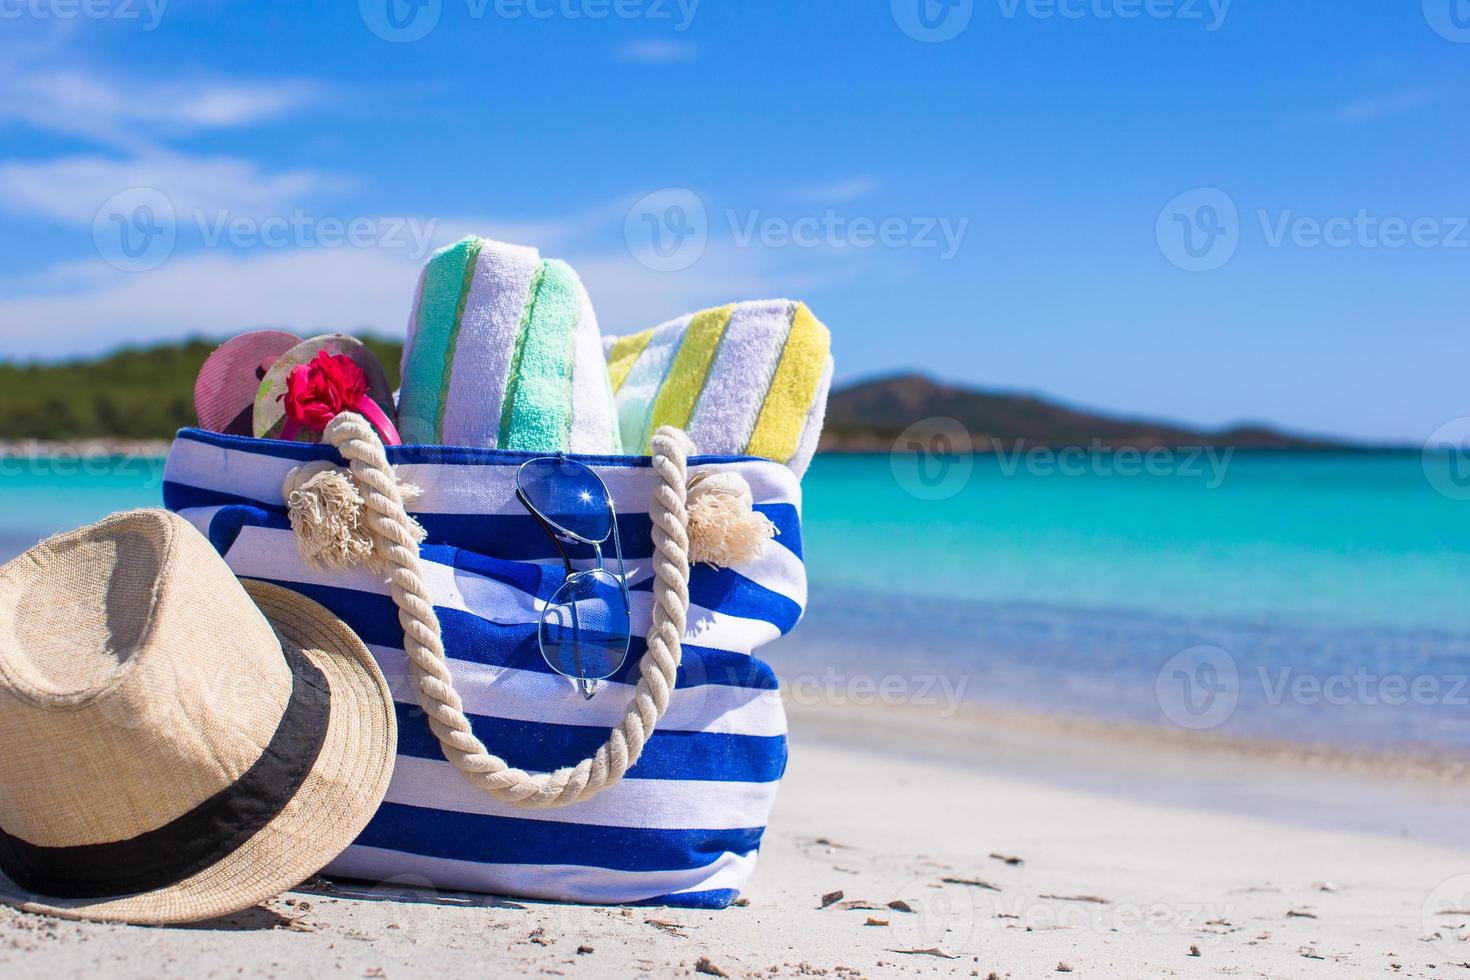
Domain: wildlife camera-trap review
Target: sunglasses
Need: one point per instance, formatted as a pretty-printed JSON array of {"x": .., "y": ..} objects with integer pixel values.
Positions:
[{"x": 586, "y": 626}]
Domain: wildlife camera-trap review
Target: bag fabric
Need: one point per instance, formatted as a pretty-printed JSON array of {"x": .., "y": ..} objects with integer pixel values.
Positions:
[{"x": 684, "y": 825}]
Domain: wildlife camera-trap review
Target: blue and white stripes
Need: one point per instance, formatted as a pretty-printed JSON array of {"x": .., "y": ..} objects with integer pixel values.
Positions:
[{"x": 683, "y": 827}]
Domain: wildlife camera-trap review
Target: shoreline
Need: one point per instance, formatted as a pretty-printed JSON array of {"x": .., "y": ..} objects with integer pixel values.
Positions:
[
  {"x": 1378, "y": 794},
  {"x": 893, "y": 850},
  {"x": 43, "y": 449},
  {"x": 1434, "y": 764},
  {"x": 864, "y": 447}
]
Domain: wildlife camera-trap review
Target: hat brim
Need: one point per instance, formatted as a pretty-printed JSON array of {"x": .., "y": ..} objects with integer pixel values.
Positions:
[{"x": 335, "y": 802}]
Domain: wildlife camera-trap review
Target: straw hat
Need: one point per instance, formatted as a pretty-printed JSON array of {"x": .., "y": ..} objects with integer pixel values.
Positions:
[{"x": 172, "y": 750}]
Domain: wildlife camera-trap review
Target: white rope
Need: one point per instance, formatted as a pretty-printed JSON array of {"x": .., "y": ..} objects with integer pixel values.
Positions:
[{"x": 393, "y": 533}]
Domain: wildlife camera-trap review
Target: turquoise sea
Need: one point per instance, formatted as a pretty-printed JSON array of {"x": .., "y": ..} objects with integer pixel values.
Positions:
[{"x": 1316, "y": 598}]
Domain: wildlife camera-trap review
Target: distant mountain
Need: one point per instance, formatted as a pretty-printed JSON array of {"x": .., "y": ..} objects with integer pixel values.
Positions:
[
  {"x": 870, "y": 415},
  {"x": 148, "y": 393}
]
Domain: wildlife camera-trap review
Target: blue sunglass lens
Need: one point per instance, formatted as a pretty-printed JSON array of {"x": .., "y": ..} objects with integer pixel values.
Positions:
[
  {"x": 569, "y": 495},
  {"x": 585, "y": 628}
]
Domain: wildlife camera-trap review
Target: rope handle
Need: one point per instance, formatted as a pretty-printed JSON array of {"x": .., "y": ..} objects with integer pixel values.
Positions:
[{"x": 395, "y": 536}]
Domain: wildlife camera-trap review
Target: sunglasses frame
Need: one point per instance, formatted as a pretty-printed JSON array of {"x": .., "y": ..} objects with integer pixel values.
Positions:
[{"x": 560, "y": 536}]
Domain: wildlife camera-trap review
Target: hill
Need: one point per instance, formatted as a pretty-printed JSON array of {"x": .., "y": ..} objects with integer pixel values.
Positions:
[
  {"x": 136, "y": 393},
  {"x": 148, "y": 393},
  {"x": 870, "y": 415}
]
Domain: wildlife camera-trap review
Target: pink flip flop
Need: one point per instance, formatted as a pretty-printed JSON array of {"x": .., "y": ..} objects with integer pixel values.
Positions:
[
  {"x": 224, "y": 393},
  {"x": 271, "y": 421}
]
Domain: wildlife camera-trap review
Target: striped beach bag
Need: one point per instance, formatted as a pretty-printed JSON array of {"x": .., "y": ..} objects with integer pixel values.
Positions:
[{"x": 683, "y": 825}]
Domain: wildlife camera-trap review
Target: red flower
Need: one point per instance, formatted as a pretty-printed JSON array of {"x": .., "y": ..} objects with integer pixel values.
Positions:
[{"x": 318, "y": 392}]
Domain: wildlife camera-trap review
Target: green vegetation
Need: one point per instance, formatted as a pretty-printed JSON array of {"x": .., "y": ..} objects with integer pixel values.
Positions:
[{"x": 137, "y": 393}]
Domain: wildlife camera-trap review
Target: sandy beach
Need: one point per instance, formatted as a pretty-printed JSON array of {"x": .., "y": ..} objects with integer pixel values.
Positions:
[{"x": 909, "y": 846}]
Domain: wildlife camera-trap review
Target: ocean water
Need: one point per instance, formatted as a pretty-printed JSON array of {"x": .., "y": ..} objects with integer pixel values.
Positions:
[
  {"x": 41, "y": 497},
  {"x": 1317, "y": 598},
  {"x": 1314, "y": 598}
]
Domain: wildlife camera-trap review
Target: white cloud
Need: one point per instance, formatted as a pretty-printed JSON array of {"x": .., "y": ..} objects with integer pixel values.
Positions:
[
  {"x": 72, "y": 189},
  {"x": 1394, "y": 104},
  {"x": 657, "y": 52},
  {"x": 84, "y": 308},
  {"x": 134, "y": 115},
  {"x": 215, "y": 294},
  {"x": 837, "y": 191}
]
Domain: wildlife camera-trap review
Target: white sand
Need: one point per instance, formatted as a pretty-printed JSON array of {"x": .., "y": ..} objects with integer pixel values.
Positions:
[{"x": 1251, "y": 896}]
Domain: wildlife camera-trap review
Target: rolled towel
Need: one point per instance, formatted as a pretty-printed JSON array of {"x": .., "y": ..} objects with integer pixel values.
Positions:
[
  {"x": 504, "y": 352},
  {"x": 746, "y": 379}
]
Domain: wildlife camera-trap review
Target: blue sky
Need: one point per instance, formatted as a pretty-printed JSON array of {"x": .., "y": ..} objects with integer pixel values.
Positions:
[{"x": 1199, "y": 210}]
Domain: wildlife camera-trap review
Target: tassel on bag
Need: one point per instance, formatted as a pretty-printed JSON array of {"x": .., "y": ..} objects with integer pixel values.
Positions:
[
  {"x": 724, "y": 527},
  {"x": 325, "y": 507}
]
